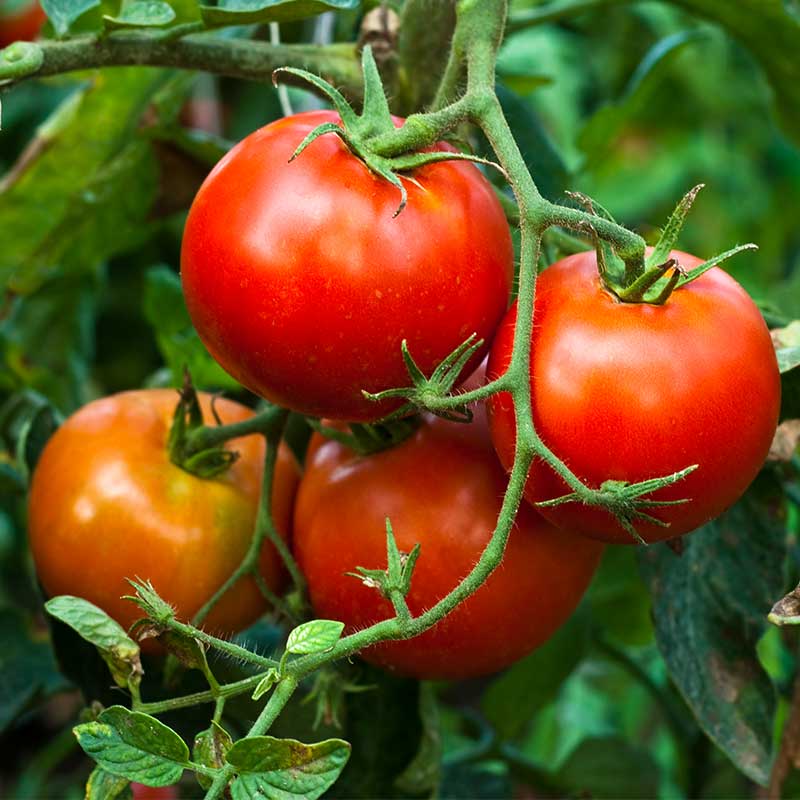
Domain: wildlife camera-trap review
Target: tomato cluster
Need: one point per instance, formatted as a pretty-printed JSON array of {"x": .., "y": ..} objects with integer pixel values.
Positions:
[{"x": 303, "y": 283}]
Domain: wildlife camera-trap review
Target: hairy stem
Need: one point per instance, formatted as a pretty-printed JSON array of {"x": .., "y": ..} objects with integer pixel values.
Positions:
[
  {"x": 199, "y": 698},
  {"x": 280, "y": 696},
  {"x": 235, "y": 58}
]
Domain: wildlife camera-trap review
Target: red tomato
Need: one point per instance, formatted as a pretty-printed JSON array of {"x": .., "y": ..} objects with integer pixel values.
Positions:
[
  {"x": 630, "y": 392},
  {"x": 107, "y": 504},
  {"x": 303, "y": 284},
  {"x": 142, "y": 792},
  {"x": 443, "y": 488},
  {"x": 20, "y": 21}
]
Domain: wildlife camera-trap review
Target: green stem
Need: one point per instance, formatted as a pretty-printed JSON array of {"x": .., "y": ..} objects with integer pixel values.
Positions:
[
  {"x": 272, "y": 421},
  {"x": 209, "y": 436},
  {"x": 200, "y": 698},
  {"x": 231, "y": 649},
  {"x": 280, "y": 696},
  {"x": 235, "y": 58}
]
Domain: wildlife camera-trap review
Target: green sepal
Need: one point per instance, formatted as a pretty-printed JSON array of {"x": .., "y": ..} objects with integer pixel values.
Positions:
[
  {"x": 627, "y": 502},
  {"x": 188, "y": 417},
  {"x": 669, "y": 236},
  {"x": 360, "y": 131},
  {"x": 399, "y": 568},
  {"x": 424, "y": 392}
]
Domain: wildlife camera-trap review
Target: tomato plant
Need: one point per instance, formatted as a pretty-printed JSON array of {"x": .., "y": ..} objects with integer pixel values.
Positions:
[
  {"x": 106, "y": 504},
  {"x": 302, "y": 283},
  {"x": 441, "y": 489},
  {"x": 628, "y": 391},
  {"x": 352, "y": 248},
  {"x": 20, "y": 20}
]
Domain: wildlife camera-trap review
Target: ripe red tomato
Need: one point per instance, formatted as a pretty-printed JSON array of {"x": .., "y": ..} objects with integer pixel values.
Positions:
[
  {"x": 630, "y": 392},
  {"x": 107, "y": 504},
  {"x": 142, "y": 792},
  {"x": 443, "y": 488},
  {"x": 20, "y": 20},
  {"x": 302, "y": 283}
]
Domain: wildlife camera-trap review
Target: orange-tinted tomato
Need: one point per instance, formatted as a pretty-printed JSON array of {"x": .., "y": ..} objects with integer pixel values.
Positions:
[
  {"x": 107, "y": 504},
  {"x": 443, "y": 488},
  {"x": 20, "y": 21},
  {"x": 630, "y": 392},
  {"x": 302, "y": 283}
]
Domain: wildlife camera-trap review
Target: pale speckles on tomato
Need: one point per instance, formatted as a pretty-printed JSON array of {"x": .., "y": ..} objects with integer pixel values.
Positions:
[{"x": 378, "y": 294}]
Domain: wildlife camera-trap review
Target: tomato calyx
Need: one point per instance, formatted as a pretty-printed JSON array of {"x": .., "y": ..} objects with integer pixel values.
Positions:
[
  {"x": 360, "y": 132},
  {"x": 425, "y": 391},
  {"x": 204, "y": 463},
  {"x": 394, "y": 582},
  {"x": 368, "y": 438},
  {"x": 627, "y": 502},
  {"x": 661, "y": 274}
]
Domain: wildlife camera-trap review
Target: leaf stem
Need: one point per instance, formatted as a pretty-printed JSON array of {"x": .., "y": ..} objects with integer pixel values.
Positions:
[{"x": 280, "y": 696}]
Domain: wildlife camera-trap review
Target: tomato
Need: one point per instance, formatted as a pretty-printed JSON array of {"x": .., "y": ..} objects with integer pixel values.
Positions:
[
  {"x": 142, "y": 792},
  {"x": 107, "y": 504},
  {"x": 302, "y": 283},
  {"x": 442, "y": 488},
  {"x": 20, "y": 20},
  {"x": 630, "y": 392}
]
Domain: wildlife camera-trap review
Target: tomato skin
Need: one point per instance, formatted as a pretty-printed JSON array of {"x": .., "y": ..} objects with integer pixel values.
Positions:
[
  {"x": 630, "y": 392},
  {"x": 22, "y": 24},
  {"x": 107, "y": 504},
  {"x": 443, "y": 488},
  {"x": 303, "y": 285},
  {"x": 142, "y": 792}
]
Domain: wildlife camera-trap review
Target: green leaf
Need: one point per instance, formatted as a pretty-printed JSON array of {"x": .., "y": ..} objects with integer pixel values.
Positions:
[
  {"x": 27, "y": 421},
  {"x": 103, "y": 785},
  {"x": 423, "y": 774},
  {"x": 788, "y": 358},
  {"x": 47, "y": 345},
  {"x": 92, "y": 623},
  {"x": 710, "y": 609},
  {"x": 266, "y": 683},
  {"x": 609, "y": 768},
  {"x": 384, "y": 727},
  {"x": 26, "y": 664},
  {"x": 180, "y": 346},
  {"x": 618, "y": 599},
  {"x": 512, "y": 700},
  {"x": 63, "y": 13},
  {"x": 141, "y": 14},
  {"x": 601, "y": 130},
  {"x": 283, "y": 769},
  {"x": 210, "y": 749},
  {"x": 118, "y": 650},
  {"x": 772, "y": 34},
  {"x": 134, "y": 746},
  {"x": 316, "y": 636},
  {"x": 251, "y": 12},
  {"x": 82, "y": 191}
]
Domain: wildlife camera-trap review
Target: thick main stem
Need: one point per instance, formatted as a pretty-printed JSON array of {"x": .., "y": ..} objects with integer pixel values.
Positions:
[{"x": 235, "y": 58}]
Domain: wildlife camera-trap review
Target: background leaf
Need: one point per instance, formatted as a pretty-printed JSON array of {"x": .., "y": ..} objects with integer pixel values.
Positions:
[{"x": 710, "y": 608}]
